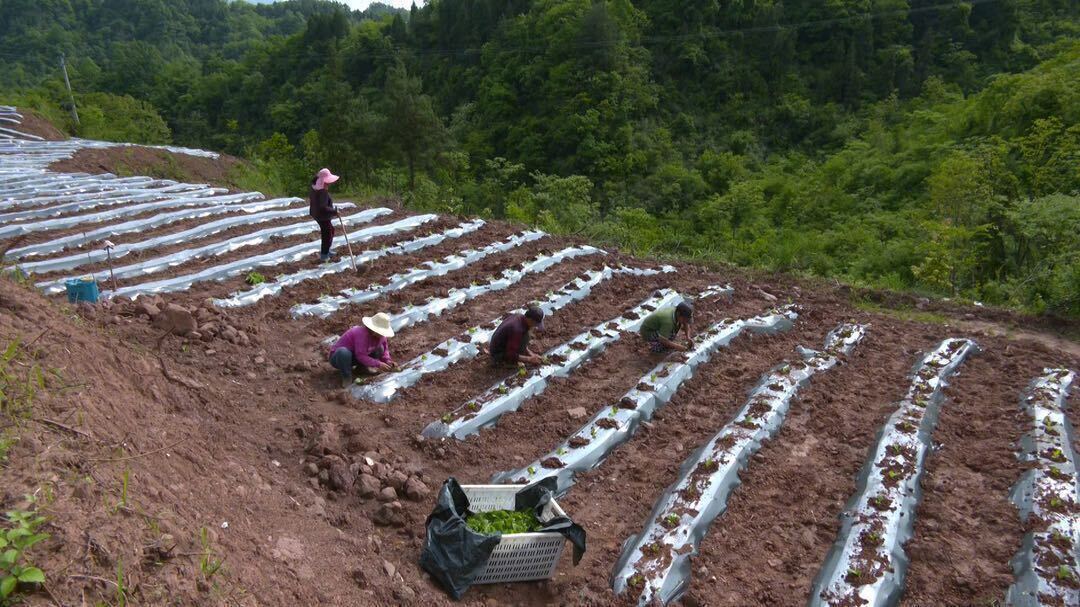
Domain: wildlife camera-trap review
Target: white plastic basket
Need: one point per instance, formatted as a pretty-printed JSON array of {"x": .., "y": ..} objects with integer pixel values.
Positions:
[{"x": 519, "y": 557}]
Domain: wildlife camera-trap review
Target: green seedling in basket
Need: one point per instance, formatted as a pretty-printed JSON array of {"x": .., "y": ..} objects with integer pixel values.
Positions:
[{"x": 503, "y": 521}]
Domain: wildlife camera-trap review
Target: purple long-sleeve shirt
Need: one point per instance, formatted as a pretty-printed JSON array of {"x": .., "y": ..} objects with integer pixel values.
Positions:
[{"x": 361, "y": 341}]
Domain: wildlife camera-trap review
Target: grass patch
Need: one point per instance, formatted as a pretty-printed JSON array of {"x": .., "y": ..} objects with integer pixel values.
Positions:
[{"x": 902, "y": 313}]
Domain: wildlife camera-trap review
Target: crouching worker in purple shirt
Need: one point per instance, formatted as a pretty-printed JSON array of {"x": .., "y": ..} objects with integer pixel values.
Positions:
[{"x": 364, "y": 347}]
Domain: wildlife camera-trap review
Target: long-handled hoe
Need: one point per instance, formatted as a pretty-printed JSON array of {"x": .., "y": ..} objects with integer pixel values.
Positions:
[{"x": 352, "y": 258}]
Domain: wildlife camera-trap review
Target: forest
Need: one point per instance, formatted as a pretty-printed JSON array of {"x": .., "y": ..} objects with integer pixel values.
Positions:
[{"x": 916, "y": 145}]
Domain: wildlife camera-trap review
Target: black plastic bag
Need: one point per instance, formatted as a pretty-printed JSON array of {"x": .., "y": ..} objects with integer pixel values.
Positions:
[{"x": 454, "y": 554}]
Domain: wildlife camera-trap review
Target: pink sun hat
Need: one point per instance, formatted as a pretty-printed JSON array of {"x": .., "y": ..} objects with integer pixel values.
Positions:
[{"x": 324, "y": 177}]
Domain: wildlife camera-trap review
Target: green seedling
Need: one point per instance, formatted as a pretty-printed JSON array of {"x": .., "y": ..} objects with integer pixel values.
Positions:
[
  {"x": 503, "y": 521},
  {"x": 522, "y": 372},
  {"x": 1056, "y": 502},
  {"x": 593, "y": 432},
  {"x": 1057, "y": 456},
  {"x": 532, "y": 470},
  {"x": 636, "y": 581},
  {"x": 893, "y": 475},
  {"x": 874, "y": 538},
  {"x": 18, "y": 536},
  {"x": 560, "y": 451},
  {"x": 880, "y": 501},
  {"x": 652, "y": 549},
  {"x": 254, "y": 278},
  {"x": 473, "y": 406},
  {"x": 854, "y": 573},
  {"x": 472, "y": 330},
  {"x": 1064, "y": 573},
  {"x": 614, "y": 410},
  {"x": 503, "y": 390},
  {"x": 447, "y": 418},
  {"x": 672, "y": 519},
  {"x": 709, "y": 464}
]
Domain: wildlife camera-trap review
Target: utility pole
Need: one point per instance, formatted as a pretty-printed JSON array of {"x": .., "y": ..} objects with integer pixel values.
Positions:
[{"x": 63, "y": 66}]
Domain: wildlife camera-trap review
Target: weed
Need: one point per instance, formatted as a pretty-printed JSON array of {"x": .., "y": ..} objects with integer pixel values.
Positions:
[
  {"x": 121, "y": 587},
  {"x": 17, "y": 390},
  {"x": 208, "y": 563},
  {"x": 19, "y": 535},
  {"x": 123, "y": 503}
]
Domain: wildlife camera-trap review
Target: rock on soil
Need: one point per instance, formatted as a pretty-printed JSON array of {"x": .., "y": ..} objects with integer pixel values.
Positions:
[
  {"x": 367, "y": 486},
  {"x": 175, "y": 319},
  {"x": 416, "y": 490},
  {"x": 390, "y": 515}
]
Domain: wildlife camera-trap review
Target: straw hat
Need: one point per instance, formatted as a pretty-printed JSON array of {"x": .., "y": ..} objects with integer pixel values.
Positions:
[{"x": 380, "y": 323}]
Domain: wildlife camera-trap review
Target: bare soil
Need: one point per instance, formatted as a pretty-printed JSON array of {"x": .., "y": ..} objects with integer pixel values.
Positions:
[{"x": 253, "y": 454}]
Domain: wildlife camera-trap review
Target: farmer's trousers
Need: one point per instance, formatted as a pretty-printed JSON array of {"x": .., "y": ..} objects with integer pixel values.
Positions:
[
  {"x": 326, "y": 233},
  {"x": 344, "y": 361}
]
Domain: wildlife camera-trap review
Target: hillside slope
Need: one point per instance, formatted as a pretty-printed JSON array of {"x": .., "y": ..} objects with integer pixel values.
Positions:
[{"x": 157, "y": 456}]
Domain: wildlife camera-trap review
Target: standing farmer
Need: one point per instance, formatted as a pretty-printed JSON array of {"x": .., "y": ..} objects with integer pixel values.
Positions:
[
  {"x": 364, "y": 346},
  {"x": 322, "y": 209},
  {"x": 662, "y": 326}
]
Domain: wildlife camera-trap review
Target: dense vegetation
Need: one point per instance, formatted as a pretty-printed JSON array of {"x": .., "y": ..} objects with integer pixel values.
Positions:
[{"x": 912, "y": 144}]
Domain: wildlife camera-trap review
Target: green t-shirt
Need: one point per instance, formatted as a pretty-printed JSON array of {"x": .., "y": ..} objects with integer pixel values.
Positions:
[{"x": 661, "y": 322}]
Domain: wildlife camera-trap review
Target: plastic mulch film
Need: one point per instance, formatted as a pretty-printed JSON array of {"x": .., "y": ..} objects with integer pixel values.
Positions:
[
  {"x": 154, "y": 265},
  {"x": 1047, "y": 567},
  {"x": 206, "y": 198},
  {"x": 616, "y": 423},
  {"x": 467, "y": 345},
  {"x": 250, "y": 296},
  {"x": 510, "y": 276},
  {"x": 510, "y": 393},
  {"x": 271, "y": 259},
  {"x": 330, "y": 304},
  {"x": 28, "y": 196},
  {"x": 200, "y": 231},
  {"x": 145, "y": 192},
  {"x": 867, "y": 564},
  {"x": 138, "y": 225},
  {"x": 655, "y": 565}
]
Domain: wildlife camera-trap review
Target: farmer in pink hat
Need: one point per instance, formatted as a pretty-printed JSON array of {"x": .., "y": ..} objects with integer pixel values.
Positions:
[
  {"x": 365, "y": 348},
  {"x": 322, "y": 209}
]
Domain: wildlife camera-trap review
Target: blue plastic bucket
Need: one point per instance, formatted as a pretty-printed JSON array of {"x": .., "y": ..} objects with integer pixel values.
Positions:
[{"x": 81, "y": 289}]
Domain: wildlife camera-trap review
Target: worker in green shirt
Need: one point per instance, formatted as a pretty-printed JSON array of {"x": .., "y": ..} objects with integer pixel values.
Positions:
[{"x": 660, "y": 328}]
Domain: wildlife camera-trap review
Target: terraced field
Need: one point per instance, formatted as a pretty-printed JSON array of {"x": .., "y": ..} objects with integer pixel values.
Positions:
[{"x": 803, "y": 452}]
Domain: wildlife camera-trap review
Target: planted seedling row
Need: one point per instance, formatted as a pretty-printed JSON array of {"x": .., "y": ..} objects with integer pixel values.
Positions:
[
  {"x": 508, "y": 394},
  {"x": 270, "y": 259},
  {"x": 330, "y": 304},
  {"x": 435, "y": 306},
  {"x": 138, "y": 225},
  {"x": 655, "y": 564},
  {"x": 164, "y": 262},
  {"x": 200, "y": 231},
  {"x": 1047, "y": 568},
  {"x": 616, "y": 423},
  {"x": 266, "y": 289},
  {"x": 867, "y": 564},
  {"x": 211, "y": 197},
  {"x": 467, "y": 345}
]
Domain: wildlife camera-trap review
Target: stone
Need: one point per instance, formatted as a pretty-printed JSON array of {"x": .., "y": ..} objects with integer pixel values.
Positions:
[
  {"x": 356, "y": 444},
  {"x": 259, "y": 360},
  {"x": 194, "y": 336},
  {"x": 577, "y": 412},
  {"x": 367, "y": 486},
  {"x": 147, "y": 309},
  {"x": 311, "y": 469},
  {"x": 390, "y": 514},
  {"x": 359, "y": 577},
  {"x": 341, "y": 478},
  {"x": 404, "y": 593},
  {"x": 397, "y": 479},
  {"x": 769, "y": 297},
  {"x": 389, "y": 568},
  {"x": 229, "y": 333},
  {"x": 175, "y": 319},
  {"x": 416, "y": 490},
  {"x": 388, "y": 494}
]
